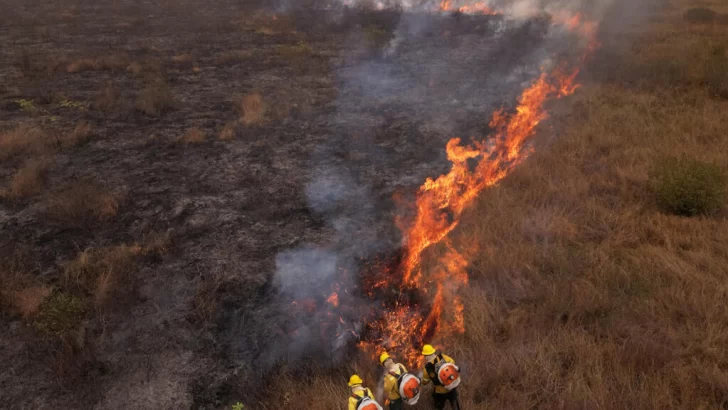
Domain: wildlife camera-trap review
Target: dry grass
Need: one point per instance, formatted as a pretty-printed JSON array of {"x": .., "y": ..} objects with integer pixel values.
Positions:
[
  {"x": 30, "y": 178},
  {"x": 206, "y": 303},
  {"x": 135, "y": 68},
  {"x": 108, "y": 98},
  {"x": 111, "y": 62},
  {"x": 24, "y": 139},
  {"x": 103, "y": 272},
  {"x": 251, "y": 107},
  {"x": 230, "y": 131},
  {"x": 81, "y": 134},
  {"x": 155, "y": 99},
  {"x": 295, "y": 53},
  {"x": 26, "y": 302},
  {"x": 183, "y": 59},
  {"x": 232, "y": 57},
  {"x": 82, "y": 204},
  {"x": 193, "y": 136}
]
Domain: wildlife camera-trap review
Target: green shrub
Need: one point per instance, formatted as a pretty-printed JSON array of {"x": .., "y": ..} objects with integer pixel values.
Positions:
[
  {"x": 59, "y": 313},
  {"x": 688, "y": 187}
]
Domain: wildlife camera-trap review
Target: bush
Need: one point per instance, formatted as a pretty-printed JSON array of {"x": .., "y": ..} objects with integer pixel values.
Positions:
[
  {"x": 700, "y": 15},
  {"x": 59, "y": 313},
  {"x": 688, "y": 187}
]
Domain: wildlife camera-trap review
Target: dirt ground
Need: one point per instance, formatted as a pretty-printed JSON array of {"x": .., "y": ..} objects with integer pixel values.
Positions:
[{"x": 186, "y": 324}]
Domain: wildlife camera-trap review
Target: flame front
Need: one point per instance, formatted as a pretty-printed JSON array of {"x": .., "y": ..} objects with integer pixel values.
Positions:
[
  {"x": 478, "y": 7},
  {"x": 440, "y": 203}
]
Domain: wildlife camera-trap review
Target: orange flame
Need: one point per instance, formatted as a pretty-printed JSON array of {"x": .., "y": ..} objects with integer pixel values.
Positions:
[
  {"x": 474, "y": 8},
  {"x": 440, "y": 203},
  {"x": 333, "y": 300}
]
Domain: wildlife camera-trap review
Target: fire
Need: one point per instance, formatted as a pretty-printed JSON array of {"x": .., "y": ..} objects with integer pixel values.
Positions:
[
  {"x": 333, "y": 300},
  {"x": 421, "y": 302},
  {"x": 440, "y": 203},
  {"x": 474, "y": 8}
]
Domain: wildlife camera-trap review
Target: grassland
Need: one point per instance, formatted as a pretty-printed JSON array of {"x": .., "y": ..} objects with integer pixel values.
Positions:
[{"x": 145, "y": 192}]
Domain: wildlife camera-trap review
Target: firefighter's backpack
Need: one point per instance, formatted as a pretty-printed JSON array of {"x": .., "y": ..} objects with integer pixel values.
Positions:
[
  {"x": 408, "y": 386},
  {"x": 366, "y": 402},
  {"x": 447, "y": 373}
]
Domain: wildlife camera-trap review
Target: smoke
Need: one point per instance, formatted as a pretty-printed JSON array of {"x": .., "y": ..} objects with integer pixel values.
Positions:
[{"x": 437, "y": 76}]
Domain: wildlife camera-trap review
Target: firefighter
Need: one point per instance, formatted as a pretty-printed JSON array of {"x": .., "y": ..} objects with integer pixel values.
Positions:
[
  {"x": 438, "y": 365},
  {"x": 361, "y": 398},
  {"x": 392, "y": 371}
]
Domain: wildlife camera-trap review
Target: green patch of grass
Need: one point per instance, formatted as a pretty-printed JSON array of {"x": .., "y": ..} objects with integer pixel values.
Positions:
[
  {"x": 27, "y": 105},
  {"x": 59, "y": 313},
  {"x": 689, "y": 187}
]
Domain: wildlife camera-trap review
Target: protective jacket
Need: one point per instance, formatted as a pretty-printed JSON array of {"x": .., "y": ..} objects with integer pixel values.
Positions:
[
  {"x": 428, "y": 375},
  {"x": 353, "y": 401},
  {"x": 390, "y": 382}
]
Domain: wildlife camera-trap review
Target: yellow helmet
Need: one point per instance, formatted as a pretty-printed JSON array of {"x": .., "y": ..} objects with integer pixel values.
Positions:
[
  {"x": 428, "y": 350},
  {"x": 354, "y": 380},
  {"x": 384, "y": 356}
]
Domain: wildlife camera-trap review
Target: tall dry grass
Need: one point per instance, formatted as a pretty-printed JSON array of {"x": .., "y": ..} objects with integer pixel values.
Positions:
[
  {"x": 30, "y": 178},
  {"x": 251, "y": 107},
  {"x": 23, "y": 139},
  {"x": 82, "y": 204}
]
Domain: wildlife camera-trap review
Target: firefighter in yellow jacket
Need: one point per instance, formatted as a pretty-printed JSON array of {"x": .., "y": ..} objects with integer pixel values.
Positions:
[
  {"x": 392, "y": 371},
  {"x": 360, "y": 395},
  {"x": 442, "y": 394}
]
